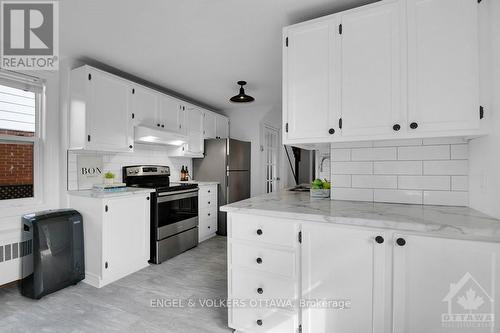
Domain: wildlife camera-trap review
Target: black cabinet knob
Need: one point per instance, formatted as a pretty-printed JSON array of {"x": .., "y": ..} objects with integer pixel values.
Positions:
[
  {"x": 396, "y": 127},
  {"x": 259, "y": 260},
  {"x": 162, "y": 126},
  {"x": 158, "y": 125},
  {"x": 209, "y": 202},
  {"x": 260, "y": 291},
  {"x": 208, "y": 214},
  {"x": 379, "y": 239},
  {"x": 208, "y": 191},
  {"x": 401, "y": 241},
  {"x": 331, "y": 131},
  {"x": 259, "y": 232},
  {"x": 131, "y": 146},
  {"x": 259, "y": 322},
  {"x": 413, "y": 125}
]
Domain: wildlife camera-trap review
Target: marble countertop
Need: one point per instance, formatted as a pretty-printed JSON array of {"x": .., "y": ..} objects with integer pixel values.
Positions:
[
  {"x": 460, "y": 222},
  {"x": 100, "y": 195},
  {"x": 200, "y": 183}
]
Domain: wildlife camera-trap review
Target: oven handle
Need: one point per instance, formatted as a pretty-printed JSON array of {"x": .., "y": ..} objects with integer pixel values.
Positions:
[{"x": 165, "y": 197}]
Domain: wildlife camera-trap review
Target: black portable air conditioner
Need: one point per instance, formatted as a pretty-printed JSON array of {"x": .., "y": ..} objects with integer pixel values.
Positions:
[{"x": 58, "y": 256}]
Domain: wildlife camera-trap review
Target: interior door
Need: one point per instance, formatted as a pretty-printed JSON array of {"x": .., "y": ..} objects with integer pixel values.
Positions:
[
  {"x": 308, "y": 59},
  {"x": 110, "y": 123},
  {"x": 270, "y": 145},
  {"x": 144, "y": 104},
  {"x": 126, "y": 236},
  {"x": 371, "y": 70},
  {"x": 344, "y": 265},
  {"x": 437, "y": 278},
  {"x": 443, "y": 64},
  {"x": 170, "y": 114}
]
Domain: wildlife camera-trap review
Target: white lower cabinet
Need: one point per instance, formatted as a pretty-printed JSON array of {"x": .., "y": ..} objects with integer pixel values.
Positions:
[
  {"x": 371, "y": 280},
  {"x": 207, "y": 211},
  {"x": 116, "y": 234}
]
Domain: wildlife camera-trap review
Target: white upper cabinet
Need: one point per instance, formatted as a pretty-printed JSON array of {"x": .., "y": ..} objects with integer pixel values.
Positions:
[
  {"x": 194, "y": 125},
  {"x": 100, "y": 117},
  {"x": 389, "y": 70},
  {"x": 443, "y": 64},
  {"x": 144, "y": 105},
  {"x": 371, "y": 70},
  {"x": 209, "y": 125},
  {"x": 171, "y": 114},
  {"x": 309, "y": 57},
  {"x": 221, "y": 127}
]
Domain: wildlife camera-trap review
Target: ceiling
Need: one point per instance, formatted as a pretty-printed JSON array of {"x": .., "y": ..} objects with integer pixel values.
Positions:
[{"x": 196, "y": 48}]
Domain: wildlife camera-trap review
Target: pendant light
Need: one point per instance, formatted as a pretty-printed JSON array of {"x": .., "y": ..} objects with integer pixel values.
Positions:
[{"x": 242, "y": 97}]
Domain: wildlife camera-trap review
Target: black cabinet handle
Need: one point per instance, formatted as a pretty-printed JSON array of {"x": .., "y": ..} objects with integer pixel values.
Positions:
[
  {"x": 208, "y": 214},
  {"x": 208, "y": 191},
  {"x": 147, "y": 198},
  {"x": 259, "y": 261},
  {"x": 131, "y": 146},
  {"x": 209, "y": 202},
  {"x": 162, "y": 126},
  {"x": 158, "y": 125},
  {"x": 331, "y": 131},
  {"x": 379, "y": 239},
  {"x": 396, "y": 127},
  {"x": 259, "y": 322},
  {"x": 413, "y": 125},
  {"x": 401, "y": 241},
  {"x": 259, "y": 232},
  {"x": 260, "y": 291}
]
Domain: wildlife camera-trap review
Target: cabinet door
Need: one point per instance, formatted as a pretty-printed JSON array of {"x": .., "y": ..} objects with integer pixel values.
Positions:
[
  {"x": 309, "y": 105},
  {"x": 371, "y": 70},
  {"x": 209, "y": 126},
  {"x": 144, "y": 104},
  {"x": 344, "y": 264},
  {"x": 126, "y": 236},
  {"x": 110, "y": 124},
  {"x": 436, "y": 278},
  {"x": 170, "y": 114},
  {"x": 195, "y": 130},
  {"x": 443, "y": 64},
  {"x": 222, "y": 127}
]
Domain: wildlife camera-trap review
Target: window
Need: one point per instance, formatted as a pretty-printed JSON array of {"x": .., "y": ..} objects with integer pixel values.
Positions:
[{"x": 20, "y": 100}]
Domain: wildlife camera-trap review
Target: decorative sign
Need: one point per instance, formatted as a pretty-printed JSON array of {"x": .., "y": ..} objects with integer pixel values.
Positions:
[{"x": 90, "y": 171}]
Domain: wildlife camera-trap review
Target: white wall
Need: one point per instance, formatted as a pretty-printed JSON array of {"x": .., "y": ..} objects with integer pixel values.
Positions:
[
  {"x": 484, "y": 170},
  {"x": 246, "y": 124},
  {"x": 10, "y": 217},
  {"x": 428, "y": 171}
]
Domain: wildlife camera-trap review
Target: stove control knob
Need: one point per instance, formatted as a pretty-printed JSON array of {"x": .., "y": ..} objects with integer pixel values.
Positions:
[{"x": 136, "y": 171}]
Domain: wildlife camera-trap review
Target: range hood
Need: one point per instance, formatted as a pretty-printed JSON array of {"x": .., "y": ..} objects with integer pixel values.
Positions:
[{"x": 150, "y": 135}]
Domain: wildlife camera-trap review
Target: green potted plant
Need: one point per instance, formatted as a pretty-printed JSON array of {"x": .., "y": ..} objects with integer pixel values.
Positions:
[
  {"x": 320, "y": 188},
  {"x": 109, "y": 178}
]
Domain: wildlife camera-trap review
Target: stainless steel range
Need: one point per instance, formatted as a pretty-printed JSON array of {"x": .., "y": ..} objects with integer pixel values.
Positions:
[{"x": 174, "y": 210}]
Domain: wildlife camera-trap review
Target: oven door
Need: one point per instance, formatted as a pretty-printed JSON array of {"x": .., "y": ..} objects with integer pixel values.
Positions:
[{"x": 177, "y": 212}]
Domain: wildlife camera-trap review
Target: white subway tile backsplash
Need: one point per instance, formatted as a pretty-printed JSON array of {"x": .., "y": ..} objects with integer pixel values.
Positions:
[
  {"x": 352, "y": 168},
  {"x": 452, "y": 168},
  {"x": 341, "y": 181},
  {"x": 397, "y": 168},
  {"x": 421, "y": 153},
  {"x": 459, "y": 152},
  {"x": 446, "y": 198},
  {"x": 372, "y": 181},
  {"x": 353, "y": 194},
  {"x": 373, "y": 154},
  {"x": 413, "y": 171},
  {"x": 398, "y": 196},
  {"x": 341, "y": 155},
  {"x": 459, "y": 183},
  {"x": 424, "y": 183}
]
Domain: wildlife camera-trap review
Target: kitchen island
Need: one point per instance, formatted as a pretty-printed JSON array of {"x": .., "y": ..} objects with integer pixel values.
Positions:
[{"x": 379, "y": 267}]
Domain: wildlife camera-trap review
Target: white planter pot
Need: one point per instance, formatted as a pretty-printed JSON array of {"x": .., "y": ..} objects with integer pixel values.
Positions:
[{"x": 109, "y": 181}]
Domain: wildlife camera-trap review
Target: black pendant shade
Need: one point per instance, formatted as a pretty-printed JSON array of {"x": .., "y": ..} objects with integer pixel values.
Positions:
[{"x": 242, "y": 97}]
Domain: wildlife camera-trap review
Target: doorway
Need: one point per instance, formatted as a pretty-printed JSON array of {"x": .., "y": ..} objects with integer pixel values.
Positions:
[{"x": 270, "y": 148}]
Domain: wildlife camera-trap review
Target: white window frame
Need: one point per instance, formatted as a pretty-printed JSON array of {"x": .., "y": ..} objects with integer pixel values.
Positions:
[{"x": 22, "y": 81}]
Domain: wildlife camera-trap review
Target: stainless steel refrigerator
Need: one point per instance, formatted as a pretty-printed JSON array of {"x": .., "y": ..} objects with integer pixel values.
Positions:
[{"x": 226, "y": 161}]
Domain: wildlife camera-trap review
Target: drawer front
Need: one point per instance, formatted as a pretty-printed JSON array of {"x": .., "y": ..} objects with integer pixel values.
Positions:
[
  {"x": 207, "y": 227},
  {"x": 207, "y": 201},
  {"x": 204, "y": 191},
  {"x": 263, "y": 320},
  {"x": 248, "y": 285},
  {"x": 207, "y": 212},
  {"x": 262, "y": 229},
  {"x": 263, "y": 259}
]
